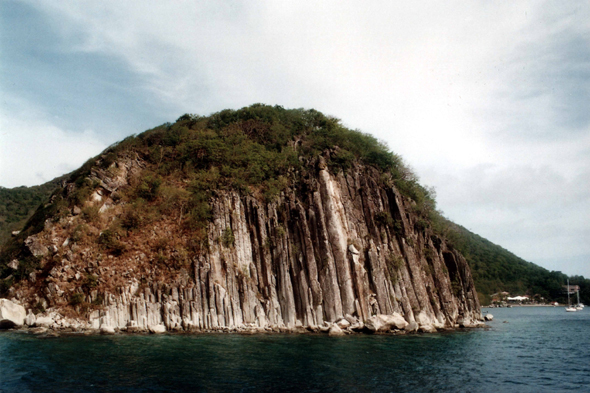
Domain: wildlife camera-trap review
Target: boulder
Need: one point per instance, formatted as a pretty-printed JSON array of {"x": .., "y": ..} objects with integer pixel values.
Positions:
[
  {"x": 335, "y": 331},
  {"x": 343, "y": 323},
  {"x": 35, "y": 246},
  {"x": 351, "y": 319},
  {"x": 488, "y": 317},
  {"x": 14, "y": 264},
  {"x": 374, "y": 323},
  {"x": 157, "y": 329},
  {"x": 384, "y": 323},
  {"x": 396, "y": 321},
  {"x": 38, "y": 330},
  {"x": 411, "y": 327},
  {"x": 30, "y": 319},
  {"x": 427, "y": 329},
  {"x": 11, "y": 314},
  {"x": 44, "y": 321},
  {"x": 105, "y": 329}
]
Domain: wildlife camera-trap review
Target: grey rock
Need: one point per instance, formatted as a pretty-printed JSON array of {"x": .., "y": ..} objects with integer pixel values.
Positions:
[{"x": 35, "y": 246}]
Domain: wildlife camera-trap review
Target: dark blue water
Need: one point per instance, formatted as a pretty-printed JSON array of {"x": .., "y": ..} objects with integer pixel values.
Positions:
[{"x": 538, "y": 350}]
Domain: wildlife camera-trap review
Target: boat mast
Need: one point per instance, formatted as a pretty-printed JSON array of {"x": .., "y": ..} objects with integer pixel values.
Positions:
[{"x": 568, "y": 292}]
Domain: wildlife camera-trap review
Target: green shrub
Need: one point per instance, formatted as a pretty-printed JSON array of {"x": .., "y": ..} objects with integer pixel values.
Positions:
[
  {"x": 383, "y": 218},
  {"x": 76, "y": 299},
  {"x": 148, "y": 187},
  {"x": 227, "y": 238},
  {"x": 91, "y": 214},
  {"x": 90, "y": 282},
  {"x": 109, "y": 239}
]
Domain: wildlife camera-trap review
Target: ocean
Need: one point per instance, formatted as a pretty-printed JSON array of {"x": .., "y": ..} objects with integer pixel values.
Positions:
[{"x": 524, "y": 349}]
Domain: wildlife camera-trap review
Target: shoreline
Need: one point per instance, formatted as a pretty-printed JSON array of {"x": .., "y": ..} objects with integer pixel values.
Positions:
[{"x": 45, "y": 332}]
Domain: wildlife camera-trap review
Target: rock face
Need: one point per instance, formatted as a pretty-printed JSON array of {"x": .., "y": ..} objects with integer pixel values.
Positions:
[
  {"x": 11, "y": 314},
  {"x": 340, "y": 247}
]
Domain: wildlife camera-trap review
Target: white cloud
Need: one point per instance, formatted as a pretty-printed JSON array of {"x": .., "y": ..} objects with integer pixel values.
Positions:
[{"x": 34, "y": 151}]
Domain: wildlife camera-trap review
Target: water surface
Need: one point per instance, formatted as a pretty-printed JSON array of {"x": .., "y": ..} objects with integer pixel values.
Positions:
[{"x": 537, "y": 350}]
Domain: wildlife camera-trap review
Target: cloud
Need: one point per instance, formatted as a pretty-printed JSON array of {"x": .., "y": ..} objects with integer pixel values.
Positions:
[{"x": 34, "y": 151}]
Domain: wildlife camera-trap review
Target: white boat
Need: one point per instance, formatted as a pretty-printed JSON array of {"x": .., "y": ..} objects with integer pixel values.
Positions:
[
  {"x": 579, "y": 306},
  {"x": 569, "y": 307}
]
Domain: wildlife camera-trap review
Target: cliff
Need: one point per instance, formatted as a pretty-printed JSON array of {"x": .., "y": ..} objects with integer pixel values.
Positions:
[{"x": 122, "y": 246}]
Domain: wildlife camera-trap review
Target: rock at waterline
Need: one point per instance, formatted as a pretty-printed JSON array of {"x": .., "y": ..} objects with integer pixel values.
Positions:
[
  {"x": 383, "y": 323},
  {"x": 488, "y": 317},
  {"x": 412, "y": 327},
  {"x": 335, "y": 331},
  {"x": 107, "y": 329},
  {"x": 11, "y": 314},
  {"x": 157, "y": 329},
  {"x": 30, "y": 319}
]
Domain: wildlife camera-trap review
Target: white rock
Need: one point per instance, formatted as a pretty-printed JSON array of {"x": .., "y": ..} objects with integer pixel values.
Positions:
[
  {"x": 353, "y": 249},
  {"x": 343, "y": 323},
  {"x": 44, "y": 321},
  {"x": 11, "y": 314},
  {"x": 157, "y": 329},
  {"x": 489, "y": 317},
  {"x": 104, "y": 329},
  {"x": 13, "y": 264},
  {"x": 383, "y": 323},
  {"x": 30, "y": 319},
  {"x": 335, "y": 331}
]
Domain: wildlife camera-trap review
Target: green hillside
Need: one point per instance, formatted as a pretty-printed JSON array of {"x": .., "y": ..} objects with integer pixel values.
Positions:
[
  {"x": 496, "y": 269},
  {"x": 19, "y": 203}
]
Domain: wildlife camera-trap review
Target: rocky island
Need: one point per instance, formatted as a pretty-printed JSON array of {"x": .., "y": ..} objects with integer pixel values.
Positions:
[{"x": 260, "y": 219}]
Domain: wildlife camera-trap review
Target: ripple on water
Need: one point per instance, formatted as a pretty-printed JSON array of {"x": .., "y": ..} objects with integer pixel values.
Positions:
[{"x": 539, "y": 350}]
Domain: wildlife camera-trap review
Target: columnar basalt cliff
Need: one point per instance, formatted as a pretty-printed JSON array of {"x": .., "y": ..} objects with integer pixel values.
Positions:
[{"x": 333, "y": 248}]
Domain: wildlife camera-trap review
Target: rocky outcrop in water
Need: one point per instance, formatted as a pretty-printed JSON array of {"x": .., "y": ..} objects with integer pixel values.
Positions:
[
  {"x": 11, "y": 314},
  {"x": 333, "y": 247}
]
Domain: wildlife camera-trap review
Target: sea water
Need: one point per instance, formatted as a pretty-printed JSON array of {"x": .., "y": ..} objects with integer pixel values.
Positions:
[{"x": 524, "y": 349}]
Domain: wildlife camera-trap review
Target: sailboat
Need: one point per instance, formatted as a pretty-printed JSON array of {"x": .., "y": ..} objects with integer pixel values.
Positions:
[
  {"x": 579, "y": 306},
  {"x": 569, "y": 308}
]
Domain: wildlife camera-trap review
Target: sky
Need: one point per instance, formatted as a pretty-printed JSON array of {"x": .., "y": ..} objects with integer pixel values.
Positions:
[{"x": 488, "y": 102}]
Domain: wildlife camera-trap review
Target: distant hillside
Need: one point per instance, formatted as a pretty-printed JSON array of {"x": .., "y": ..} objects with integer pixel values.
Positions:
[
  {"x": 496, "y": 269},
  {"x": 19, "y": 203}
]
